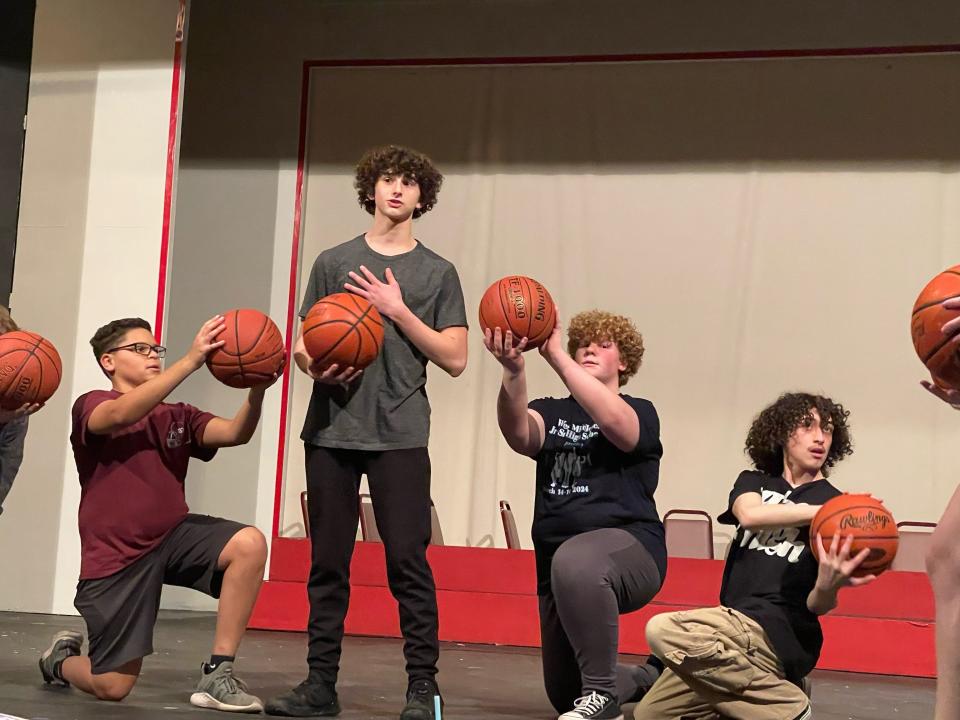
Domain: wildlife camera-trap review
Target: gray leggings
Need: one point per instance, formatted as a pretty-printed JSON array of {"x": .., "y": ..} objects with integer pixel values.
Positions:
[{"x": 594, "y": 578}]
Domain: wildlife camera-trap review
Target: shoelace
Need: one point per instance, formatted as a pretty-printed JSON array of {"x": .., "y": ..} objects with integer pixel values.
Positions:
[
  {"x": 590, "y": 703},
  {"x": 232, "y": 683}
]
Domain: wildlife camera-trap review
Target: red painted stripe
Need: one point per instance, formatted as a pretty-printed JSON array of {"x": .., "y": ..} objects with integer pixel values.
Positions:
[
  {"x": 882, "y": 50},
  {"x": 291, "y": 299},
  {"x": 168, "y": 181},
  {"x": 648, "y": 57}
]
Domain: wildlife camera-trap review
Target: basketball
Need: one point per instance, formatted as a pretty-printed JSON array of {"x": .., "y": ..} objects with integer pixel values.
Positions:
[
  {"x": 30, "y": 369},
  {"x": 870, "y": 523},
  {"x": 521, "y": 305},
  {"x": 252, "y": 352},
  {"x": 937, "y": 352},
  {"x": 345, "y": 329}
]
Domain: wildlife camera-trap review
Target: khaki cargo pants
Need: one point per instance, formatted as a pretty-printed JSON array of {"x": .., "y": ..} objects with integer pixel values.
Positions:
[{"x": 719, "y": 664}]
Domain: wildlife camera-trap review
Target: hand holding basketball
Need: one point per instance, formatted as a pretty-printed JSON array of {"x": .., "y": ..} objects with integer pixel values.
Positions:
[
  {"x": 504, "y": 348},
  {"x": 333, "y": 375},
  {"x": 553, "y": 346},
  {"x": 206, "y": 340},
  {"x": 385, "y": 297},
  {"x": 837, "y": 568},
  {"x": 22, "y": 411}
]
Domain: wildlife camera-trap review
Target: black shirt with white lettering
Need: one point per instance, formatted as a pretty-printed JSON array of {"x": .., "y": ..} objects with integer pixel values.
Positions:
[
  {"x": 769, "y": 573},
  {"x": 585, "y": 482}
]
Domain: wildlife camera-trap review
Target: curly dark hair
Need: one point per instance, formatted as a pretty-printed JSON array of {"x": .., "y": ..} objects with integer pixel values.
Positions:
[
  {"x": 387, "y": 159},
  {"x": 773, "y": 426},
  {"x": 111, "y": 333}
]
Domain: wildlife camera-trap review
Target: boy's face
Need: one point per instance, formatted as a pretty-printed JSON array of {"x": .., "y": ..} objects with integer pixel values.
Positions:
[
  {"x": 809, "y": 444},
  {"x": 396, "y": 196},
  {"x": 126, "y": 362},
  {"x": 600, "y": 358}
]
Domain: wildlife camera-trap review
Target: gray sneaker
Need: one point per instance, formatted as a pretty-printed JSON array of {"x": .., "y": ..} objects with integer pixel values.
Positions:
[
  {"x": 65, "y": 643},
  {"x": 222, "y": 690}
]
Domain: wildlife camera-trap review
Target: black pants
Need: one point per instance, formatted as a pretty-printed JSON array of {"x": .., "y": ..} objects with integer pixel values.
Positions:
[
  {"x": 400, "y": 491},
  {"x": 594, "y": 577}
]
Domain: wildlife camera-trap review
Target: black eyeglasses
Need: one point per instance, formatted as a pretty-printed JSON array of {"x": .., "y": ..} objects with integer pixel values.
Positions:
[{"x": 142, "y": 349}]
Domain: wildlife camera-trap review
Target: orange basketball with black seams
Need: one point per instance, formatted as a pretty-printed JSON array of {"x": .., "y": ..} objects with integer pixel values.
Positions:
[
  {"x": 870, "y": 523},
  {"x": 30, "y": 369},
  {"x": 343, "y": 329},
  {"x": 938, "y": 352},
  {"x": 519, "y": 304},
  {"x": 252, "y": 352}
]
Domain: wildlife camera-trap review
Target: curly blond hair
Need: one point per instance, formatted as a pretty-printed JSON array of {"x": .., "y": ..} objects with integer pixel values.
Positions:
[
  {"x": 6, "y": 322},
  {"x": 599, "y": 325}
]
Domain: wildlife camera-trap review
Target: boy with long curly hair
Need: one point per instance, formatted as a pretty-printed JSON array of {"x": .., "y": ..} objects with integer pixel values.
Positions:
[
  {"x": 748, "y": 657},
  {"x": 376, "y": 422},
  {"x": 598, "y": 540}
]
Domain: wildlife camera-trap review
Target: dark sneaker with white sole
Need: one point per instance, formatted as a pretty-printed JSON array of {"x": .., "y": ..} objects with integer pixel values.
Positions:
[
  {"x": 422, "y": 699},
  {"x": 595, "y": 706}
]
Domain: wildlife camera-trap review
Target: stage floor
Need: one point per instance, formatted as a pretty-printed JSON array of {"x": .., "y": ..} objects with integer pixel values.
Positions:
[{"x": 478, "y": 681}]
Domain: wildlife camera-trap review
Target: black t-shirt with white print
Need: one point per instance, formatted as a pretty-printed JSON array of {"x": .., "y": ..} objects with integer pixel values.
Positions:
[
  {"x": 585, "y": 482},
  {"x": 769, "y": 573}
]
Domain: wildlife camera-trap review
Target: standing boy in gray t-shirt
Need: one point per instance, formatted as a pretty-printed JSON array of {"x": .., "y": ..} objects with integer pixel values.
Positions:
[{"x": 376, "y": 422}]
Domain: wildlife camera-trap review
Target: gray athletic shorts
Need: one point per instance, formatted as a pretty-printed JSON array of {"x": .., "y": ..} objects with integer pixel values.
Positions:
[{"x": 121, "y": 609}]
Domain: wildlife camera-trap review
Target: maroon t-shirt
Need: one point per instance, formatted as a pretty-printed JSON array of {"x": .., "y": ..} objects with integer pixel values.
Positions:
[{"x": 132, "y": 481}]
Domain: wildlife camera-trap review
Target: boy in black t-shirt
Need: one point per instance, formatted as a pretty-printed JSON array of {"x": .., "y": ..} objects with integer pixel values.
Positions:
[
  {"x": 598, "y": 539},
  {"x": 747, "y": 658}
]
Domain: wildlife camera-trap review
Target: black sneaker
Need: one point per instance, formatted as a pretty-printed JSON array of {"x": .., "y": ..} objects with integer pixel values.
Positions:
[
  {"x": 595, "y": 706},
  {"x": 644, "y": 676},
  {"x": 422, "y": 697},
  {"x": 64, "y": 644},
  {"x": 308, "y": 699}
]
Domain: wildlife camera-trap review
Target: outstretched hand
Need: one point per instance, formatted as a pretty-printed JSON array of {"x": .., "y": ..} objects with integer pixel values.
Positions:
[
  {"x": 553, "y": 347},
  {"x": 502, "y": 348},
  {"x": 837, "y": 567},
  {"x": 22, "y": 411},
  {"x": 949, "y": 395},
  {"x": 206, "y": 340}
]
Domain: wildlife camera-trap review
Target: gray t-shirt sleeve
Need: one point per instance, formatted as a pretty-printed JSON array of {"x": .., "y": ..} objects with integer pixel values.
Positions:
[
  {"x": 316, "y": 286},
  {"x": 12, "y": 436},
  {"x": 449, "y": 310}
]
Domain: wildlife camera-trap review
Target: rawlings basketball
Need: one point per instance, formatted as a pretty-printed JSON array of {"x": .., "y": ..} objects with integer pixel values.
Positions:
[
  {"x": 345, "y": 329},
  {"x": 30, "y": 369},
  {"x": 870, "y": 523},
  {"x": 252, "y": 352},
  {"x": 937, "y": 352},
  {"x": 521, "y": 305}
]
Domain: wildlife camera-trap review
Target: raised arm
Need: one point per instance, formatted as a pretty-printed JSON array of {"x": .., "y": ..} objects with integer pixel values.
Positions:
[
  {"x": 520, "y": 426},
  {"x": 752, "y": 514},
  {"x": 617, "y": 421},
  {"x": 131, "y": 407}
]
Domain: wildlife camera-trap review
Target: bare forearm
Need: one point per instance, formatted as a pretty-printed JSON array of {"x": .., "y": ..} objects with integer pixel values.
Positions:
[
  {"x": 133, "y": 406},
  {"x": 760, "y": 517},
  {"x": 820, "y": 602},
  {"x": 512, "y": 414},
  {"x": 244, "y": 423},
  {"x": 445, "y": 351},
  {"x": 615, "y": 418}
]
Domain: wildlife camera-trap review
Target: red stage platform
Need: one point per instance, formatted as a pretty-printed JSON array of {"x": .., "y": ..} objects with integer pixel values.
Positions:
[{"x": 489, "y": 596}]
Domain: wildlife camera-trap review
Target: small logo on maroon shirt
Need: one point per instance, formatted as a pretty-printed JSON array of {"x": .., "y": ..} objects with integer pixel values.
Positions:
[{"x": 176, "y": 435}]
